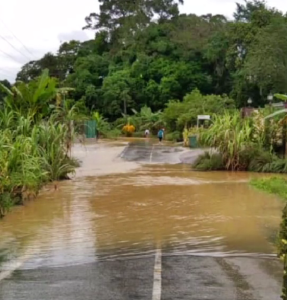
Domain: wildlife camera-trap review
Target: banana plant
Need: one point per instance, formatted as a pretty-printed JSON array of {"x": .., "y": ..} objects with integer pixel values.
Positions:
[
  {"x": 33, "y": 98},
  {"x": 281, "y": 97}
]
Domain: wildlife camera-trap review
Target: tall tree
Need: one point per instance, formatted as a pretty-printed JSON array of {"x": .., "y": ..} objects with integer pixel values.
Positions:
[
  {"x": 266, "y": 61},
  {"x": 34, "y": 69},
  {"x": 121, "y": 18},
  {"x": 67, "y": 55}
]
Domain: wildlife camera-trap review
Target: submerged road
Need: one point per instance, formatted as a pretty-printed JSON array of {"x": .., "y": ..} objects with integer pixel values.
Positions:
[
  {"x": 146, "y": 152},
  {"x": 159, "y": 274},
  {"x": 150, "y": 278}
]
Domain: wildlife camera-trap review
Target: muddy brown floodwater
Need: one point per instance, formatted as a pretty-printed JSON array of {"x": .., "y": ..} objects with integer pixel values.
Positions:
[
  {"x": 128, "y": 213},
  {"x": 134, "y": 224}
]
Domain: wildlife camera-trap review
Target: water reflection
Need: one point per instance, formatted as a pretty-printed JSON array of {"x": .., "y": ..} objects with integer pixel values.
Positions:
[{"x": 129, "y": 214}]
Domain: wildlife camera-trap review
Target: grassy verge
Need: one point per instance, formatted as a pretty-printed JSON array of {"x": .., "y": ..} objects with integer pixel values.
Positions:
[
  {"x": 273, "y": 185},
  {"x": 277, "y": 186}
]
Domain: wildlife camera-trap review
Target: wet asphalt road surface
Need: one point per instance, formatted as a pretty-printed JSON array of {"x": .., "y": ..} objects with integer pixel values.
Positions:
[
  {"x": 183, "y": 277},
  {"x": 146, "y": 152}
]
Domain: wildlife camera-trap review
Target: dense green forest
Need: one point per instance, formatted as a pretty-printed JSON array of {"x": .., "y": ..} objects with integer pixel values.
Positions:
[{"x": 147, "y": 54}]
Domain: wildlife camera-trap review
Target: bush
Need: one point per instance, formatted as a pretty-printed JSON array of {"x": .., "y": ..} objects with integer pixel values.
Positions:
[
  {"x": 260, "y": 161},
  {"x": 36, "y": 134},
  {"x": 139, "y": 134},
  {"x": 179, "y": 114},
  {"x": 6, "y": 202},
  {"x": 278, "y": 166},
  {"x": 266, "y": 162},
  {"x": 175, "y": 136},
  {"x": 209, "y": 162},
  {"x": 112, "y": 134}
]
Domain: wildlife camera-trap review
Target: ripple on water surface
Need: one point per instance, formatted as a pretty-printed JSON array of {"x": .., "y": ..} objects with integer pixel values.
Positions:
[{"x": 130, "y": 214}]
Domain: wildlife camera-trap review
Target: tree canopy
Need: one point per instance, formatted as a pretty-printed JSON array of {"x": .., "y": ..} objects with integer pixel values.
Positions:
[{"x": 145, "y": 53}]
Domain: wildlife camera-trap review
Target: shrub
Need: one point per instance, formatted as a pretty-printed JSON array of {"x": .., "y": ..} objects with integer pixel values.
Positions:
[
  {"x": 6, "y": 202},
  {"x": 231, "y": 136},
  {"x": 112, "y": 134},
  {"x": 35, "y": 140},
  {"x": 209, "y": 162},
  {"x": 260, "y": 161},
  {"x": 138, "y": 134},
  {"x": 266, "y": 162},
  {"x": 179, "y": 114},
  {"x": 175, "y": 136}
]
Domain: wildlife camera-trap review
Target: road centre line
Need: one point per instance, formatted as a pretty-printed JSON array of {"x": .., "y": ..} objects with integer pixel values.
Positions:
[{"x": 156, "y": 291}]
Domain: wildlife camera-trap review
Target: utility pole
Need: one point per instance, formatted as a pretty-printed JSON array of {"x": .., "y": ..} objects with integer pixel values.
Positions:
[
  {"x": 125, "y": 94},
  {"x": 125, "y": 106}
]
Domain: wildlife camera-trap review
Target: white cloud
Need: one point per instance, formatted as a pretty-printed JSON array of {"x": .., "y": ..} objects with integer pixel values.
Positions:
[
  {"x": 223, "y": 7},
  {"x": 41, "y": 26}
]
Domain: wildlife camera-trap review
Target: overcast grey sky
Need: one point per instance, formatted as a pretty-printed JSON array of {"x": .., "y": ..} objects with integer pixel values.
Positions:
[{"x": 41, "y": 25}]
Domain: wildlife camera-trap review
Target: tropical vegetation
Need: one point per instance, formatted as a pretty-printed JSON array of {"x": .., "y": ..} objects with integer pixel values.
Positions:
[
  {"x": 148, "y": 67},
  {"x": 147, "y": 54},
  {"x": 277, "y": 186},
  {"x": 36, "y": 134},
  {"x": 253, "y": 143}
]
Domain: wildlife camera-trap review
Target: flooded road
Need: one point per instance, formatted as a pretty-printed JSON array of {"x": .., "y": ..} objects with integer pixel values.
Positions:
[{"x": 211, "y": 234}]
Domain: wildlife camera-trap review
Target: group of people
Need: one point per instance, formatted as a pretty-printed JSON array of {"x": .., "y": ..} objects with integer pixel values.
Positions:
[{"x": 159, "y": 134}]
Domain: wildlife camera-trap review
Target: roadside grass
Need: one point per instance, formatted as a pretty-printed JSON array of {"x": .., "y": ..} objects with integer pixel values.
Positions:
[
  {"x": 277, "y": 186},
  {"x": 272, "y": 185}
]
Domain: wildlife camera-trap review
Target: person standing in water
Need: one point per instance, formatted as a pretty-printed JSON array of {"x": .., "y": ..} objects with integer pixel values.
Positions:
[
  {"x": 160, "y": 134},
  {"x": 146, "y": 133}
]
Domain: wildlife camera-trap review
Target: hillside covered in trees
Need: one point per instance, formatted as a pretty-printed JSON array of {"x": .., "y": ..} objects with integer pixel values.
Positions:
[{"x": 145, "y": 53}]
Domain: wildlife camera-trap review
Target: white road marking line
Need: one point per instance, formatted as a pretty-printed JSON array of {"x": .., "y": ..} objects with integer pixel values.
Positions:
[
  {"x": 16, "y": 265},
  {"x": 150, "y": 158},
  {"x": 156, "y": 292}
]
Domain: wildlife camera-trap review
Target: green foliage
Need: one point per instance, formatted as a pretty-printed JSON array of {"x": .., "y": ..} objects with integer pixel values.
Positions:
[
  {"x": 103, "y": 126},
  {"x": 265, "y": 62},
  {"x": 231, "y": 136},
  {"x": 209, "y": 162},
  {"x": 146, "y": 119},
  {"x": 33, "y": 98},
  {"x": 260, "y": 161},
  {"x": 139, "y": 134},
  {"x": 147, "y": 54},
  {"x": 277, "y": 186},
  {"x": 125, "y": 14},
  {"x": 175, "y": 136},
  {"x": 281, "y": 97},
  {"x": 272, "y": 185},
  {"x": 242, "y": 143},
  {"x": 178, "y": 114},
  {"x": 113, "y": 133},
  {"x": 266, "y": 162},
  {"x": 34, "y": 144},
  {"x": 136, "y": 60}
]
